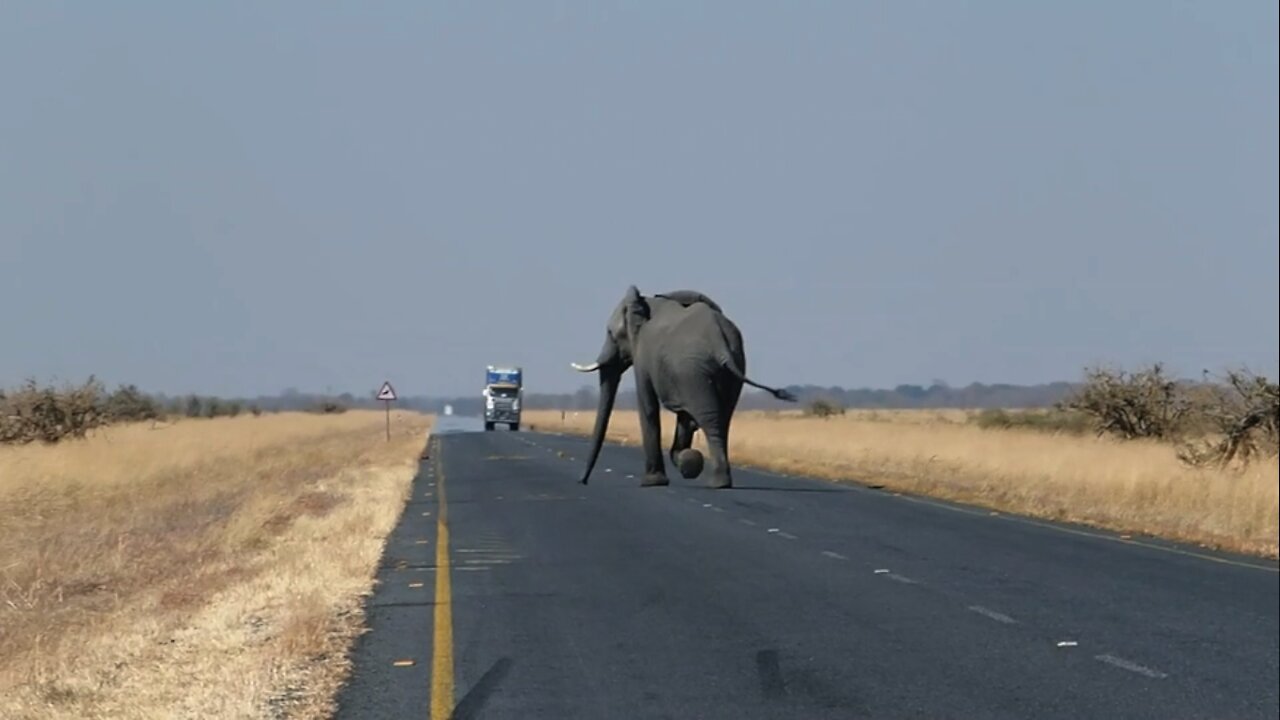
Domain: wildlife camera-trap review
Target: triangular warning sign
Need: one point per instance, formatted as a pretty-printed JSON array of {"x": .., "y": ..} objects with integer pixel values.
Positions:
[{"x": 387, "y": 392}]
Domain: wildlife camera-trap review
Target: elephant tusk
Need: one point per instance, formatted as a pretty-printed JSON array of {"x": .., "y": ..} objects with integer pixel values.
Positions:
[{"x": 585, "y": 368}]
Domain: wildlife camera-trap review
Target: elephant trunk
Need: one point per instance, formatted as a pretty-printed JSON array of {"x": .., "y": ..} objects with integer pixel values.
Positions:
[{"x": 610, "y": 378}]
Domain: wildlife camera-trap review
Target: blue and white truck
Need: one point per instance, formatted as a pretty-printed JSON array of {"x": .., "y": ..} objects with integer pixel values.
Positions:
[{"x": 503, "y": 391}]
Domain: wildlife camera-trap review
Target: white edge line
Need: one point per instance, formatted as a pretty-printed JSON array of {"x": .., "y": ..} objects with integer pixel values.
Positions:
[
  {"x": 745, "y": 521},
  {"x": 1096, "y": 535},
  {"x": 997, "y": 616},
  {"x": 786, "y": 535},
  {"x": 1130, "y": 666},
  {"x": 834, "y": 555},
  {"x": 902, "y": 579}
]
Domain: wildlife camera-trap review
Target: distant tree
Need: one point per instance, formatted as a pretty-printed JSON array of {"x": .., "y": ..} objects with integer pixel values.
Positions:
[
  {"x": 213, "y": 407},
  {"x": 1144, "y": 404},
  {"x": 1245, "y": 414}
]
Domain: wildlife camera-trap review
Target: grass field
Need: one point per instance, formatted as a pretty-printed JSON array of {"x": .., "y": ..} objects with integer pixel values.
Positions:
[
  {"x": 215, "y": 568},
  {"x": 209, "y": 568},
  {"x": 1137, "y": 487}
]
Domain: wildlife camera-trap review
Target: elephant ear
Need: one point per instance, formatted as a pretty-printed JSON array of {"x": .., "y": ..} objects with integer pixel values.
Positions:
[
  {"x": 635, "y": 311},
  {"x": 690, "y": 297}
]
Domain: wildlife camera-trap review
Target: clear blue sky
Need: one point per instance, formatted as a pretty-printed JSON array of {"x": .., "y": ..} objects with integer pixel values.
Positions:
[{"x": 240, "y": 197}]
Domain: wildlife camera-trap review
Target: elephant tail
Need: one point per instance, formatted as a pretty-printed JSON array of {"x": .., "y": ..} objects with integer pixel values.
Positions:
[{"x": 732, "y": 366}]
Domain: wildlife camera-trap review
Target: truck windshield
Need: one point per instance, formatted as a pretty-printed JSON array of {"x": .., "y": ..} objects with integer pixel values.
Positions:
[{"x": 502, "y": 392}]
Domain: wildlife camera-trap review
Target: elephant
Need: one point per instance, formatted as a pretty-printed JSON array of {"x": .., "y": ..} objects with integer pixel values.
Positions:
[{"x": 688, "y": 357}]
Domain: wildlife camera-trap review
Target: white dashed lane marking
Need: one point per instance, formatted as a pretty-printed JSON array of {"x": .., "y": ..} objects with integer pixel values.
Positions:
[
  {"x": 1113, "y": 660},
  {"x": 997, "y": 616},
  {"x": 1130, "y": 666}
]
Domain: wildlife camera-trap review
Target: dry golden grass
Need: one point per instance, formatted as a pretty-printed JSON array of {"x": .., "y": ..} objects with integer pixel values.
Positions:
[
  {"x": 211, "y": 568},
  {"x": 1137, "y": 487}
]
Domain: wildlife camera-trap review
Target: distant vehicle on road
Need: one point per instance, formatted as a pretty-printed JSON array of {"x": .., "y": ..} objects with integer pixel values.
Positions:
[
  {"x": 448, "y": 409},
  {"x": 503, "y": 390}
]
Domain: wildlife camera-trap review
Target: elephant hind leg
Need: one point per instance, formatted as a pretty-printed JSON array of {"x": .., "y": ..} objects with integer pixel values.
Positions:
[
  {"x": 714, "y": 419},
  {"x": 715, "y": 426},
  {"x": 718, "y": 443}
]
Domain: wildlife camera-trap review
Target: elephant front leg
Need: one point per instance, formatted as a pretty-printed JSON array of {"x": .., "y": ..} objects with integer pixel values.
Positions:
[
  {"x": 683, "y": 438},
  {"x": 655, "y": 472}
]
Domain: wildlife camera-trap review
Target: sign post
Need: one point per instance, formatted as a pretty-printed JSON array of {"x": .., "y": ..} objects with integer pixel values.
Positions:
[{"x": 387, "y": 394}]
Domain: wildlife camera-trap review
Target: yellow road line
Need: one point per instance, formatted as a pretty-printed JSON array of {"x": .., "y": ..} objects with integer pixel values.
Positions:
[{"x": 442, "y": 641}]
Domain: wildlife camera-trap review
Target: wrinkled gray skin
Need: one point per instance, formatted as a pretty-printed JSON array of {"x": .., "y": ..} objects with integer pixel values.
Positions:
[{"x": 688, "y": 358}]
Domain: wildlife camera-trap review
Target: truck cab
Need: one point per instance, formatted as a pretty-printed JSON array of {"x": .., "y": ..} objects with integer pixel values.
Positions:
[{"x": 503, "y": 392}]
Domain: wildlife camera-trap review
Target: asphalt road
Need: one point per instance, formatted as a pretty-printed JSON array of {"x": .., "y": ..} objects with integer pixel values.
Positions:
[{"x": 784, "y": 598}]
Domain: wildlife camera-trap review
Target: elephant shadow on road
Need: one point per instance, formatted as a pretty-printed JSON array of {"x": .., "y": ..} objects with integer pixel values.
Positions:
[
  {"x": 764, "y": 487},
  {"x": 474, "y": 701}
]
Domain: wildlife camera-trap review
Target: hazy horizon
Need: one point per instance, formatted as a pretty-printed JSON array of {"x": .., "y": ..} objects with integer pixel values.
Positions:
[{"x": 235, "y": 200}]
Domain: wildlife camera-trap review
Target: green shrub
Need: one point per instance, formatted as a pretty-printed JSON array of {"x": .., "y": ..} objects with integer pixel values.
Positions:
[
  {"x": 128, "y": 404},
  {"x": 1050, "y": 421},
  {"x": 823, "y": 408}
]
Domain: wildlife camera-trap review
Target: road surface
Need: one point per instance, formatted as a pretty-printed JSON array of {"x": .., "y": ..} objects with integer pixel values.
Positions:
[{"x": 510, "y": 591}]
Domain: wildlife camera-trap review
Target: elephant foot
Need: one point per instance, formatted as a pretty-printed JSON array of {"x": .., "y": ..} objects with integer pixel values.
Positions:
[
  {"x": 690, "y": 463},
  {"x": 721, "y": 482},
  {"x": 654, "y": 480}
]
